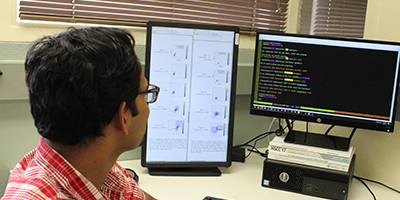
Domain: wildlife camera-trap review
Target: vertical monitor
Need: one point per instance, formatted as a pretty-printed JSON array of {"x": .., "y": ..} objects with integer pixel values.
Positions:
[
  {"x": 190, "y": 126},
  {"x": 328, "y": 80}
]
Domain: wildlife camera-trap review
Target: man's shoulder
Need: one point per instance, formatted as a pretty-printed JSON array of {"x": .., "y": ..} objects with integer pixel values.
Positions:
[
  {"x": 33, "y": 185},
  {"x": 119, "y": 180},
  {"x": 29, "y": 181},
  {"x": 118, "y": 177}
]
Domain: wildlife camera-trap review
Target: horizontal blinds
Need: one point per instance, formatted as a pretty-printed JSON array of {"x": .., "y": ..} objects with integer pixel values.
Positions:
[
  {"x": 215, "y": 12},
  {"x": 306, "y": 8},
  {"x": 271, "y": 15},
  {"x": 247, "y": 14},
  {"x": 345, "y": 18}
]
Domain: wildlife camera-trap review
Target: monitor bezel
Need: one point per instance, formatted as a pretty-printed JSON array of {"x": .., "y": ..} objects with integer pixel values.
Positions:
[
  {"x": 212, "y": 164},
  {"x": 347, "y": 122}
]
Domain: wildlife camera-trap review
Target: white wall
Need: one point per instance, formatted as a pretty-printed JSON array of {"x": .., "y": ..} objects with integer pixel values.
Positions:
[
  {"x": 377, "y": 152},
  {"x": 378, "y": 155},
  {"x": 17, "y": 131}
]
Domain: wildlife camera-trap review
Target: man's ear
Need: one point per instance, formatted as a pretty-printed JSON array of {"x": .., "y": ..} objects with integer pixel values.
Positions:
[{"x": 121, "y": 118}]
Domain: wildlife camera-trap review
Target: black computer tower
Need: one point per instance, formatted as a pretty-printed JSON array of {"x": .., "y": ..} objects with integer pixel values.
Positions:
[{"x": 308, "y": 180}]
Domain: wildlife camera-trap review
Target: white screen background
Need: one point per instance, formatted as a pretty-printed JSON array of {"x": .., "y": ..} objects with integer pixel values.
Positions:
[{"x": 190, "y": 120}]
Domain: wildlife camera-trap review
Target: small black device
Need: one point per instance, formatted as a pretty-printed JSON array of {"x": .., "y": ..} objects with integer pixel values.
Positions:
[
  {"x": 308, "y": 180},
  {"x": 212, "y": 198},
  {"x": 133, "y": 174}
]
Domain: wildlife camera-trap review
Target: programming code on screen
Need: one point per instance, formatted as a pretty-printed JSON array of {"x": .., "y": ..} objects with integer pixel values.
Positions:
[
  {"x": 281, "y": 70},
  {"x": 339, "y": 79}
]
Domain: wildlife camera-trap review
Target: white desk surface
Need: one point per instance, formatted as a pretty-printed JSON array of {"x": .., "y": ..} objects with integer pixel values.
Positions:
[{"x": 241, "y": 181}]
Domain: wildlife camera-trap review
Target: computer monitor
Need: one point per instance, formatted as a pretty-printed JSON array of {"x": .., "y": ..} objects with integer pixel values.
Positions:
[
  {"x": 347, "y": 82},
  {"x": 190, "y": 127}
]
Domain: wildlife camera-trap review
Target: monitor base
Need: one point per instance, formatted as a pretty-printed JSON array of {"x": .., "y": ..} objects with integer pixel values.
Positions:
[
  {"x": 192, "y": 171},
  {"x": 318, "y": 140}
]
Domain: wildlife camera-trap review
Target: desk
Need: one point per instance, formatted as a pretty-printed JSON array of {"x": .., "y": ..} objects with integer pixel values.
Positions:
[{"x": 241, "y": 181}]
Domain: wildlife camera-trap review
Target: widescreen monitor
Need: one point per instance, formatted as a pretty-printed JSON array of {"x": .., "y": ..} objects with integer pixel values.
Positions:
[
  {"x": 190, "y": 127},
  {"x": 347, "y": 82}
]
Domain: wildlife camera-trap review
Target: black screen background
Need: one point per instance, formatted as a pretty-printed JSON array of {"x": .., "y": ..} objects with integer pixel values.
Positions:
[{"x": 344, "y": 79}]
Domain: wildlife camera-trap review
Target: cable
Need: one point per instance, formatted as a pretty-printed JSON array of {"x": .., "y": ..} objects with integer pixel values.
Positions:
[
  {"x": 306, "y": 127},
  {"x": 280, "y": 131},
  {"x": 289, "y": 125},
  {"x": 270, "y": 125},
  {"x": 305, "y": 136},
  {"x": 369, "y": 189},
  {"x": 329, "y": 129},
  {"x": 269, "y": 128},
  {"x": 259, "y": 152},
  {"x": 357, "y": 177},
  {"x": 262, "y": 135},
  {"x": 259, "y": 137},
  {"x": 254, "y": 149}
]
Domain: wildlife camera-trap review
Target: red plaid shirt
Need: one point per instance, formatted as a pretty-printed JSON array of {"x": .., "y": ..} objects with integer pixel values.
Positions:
[{"x": 45, "y": 174}]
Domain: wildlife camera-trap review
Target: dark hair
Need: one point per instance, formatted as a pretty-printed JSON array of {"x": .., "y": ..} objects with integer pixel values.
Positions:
[{"x": 77, "y": 80}]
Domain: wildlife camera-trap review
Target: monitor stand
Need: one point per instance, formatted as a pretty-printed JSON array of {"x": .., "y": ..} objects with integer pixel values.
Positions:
[
  {"x": 318, "y": 140},
  {"x": 190, "y": 171}
]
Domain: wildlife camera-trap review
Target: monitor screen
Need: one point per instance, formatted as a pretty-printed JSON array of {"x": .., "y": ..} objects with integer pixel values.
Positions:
[
  {"x": 191, "y": 123},
  {"x": 335, "y": 81}
]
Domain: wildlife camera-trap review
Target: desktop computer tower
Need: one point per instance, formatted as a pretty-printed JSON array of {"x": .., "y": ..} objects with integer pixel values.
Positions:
[{"x": 308, "y": 180}]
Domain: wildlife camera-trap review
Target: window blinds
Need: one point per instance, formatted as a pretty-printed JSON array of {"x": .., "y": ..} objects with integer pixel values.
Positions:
[
  {"x": 247, "y": 14},
  {"x": 344, "y": 18}
]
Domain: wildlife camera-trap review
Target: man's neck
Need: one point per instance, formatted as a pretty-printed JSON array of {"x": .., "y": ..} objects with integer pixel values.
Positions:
[{"x": 94, "y": 160}]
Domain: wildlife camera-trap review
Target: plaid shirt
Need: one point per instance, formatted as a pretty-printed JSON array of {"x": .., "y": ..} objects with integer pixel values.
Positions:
[{"x": 45, "y": 174}]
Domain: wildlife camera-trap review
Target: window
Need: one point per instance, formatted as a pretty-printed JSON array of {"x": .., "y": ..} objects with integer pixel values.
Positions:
[
  {"x": 344, "y": 18},
  {"x": 247, "y": 14}
]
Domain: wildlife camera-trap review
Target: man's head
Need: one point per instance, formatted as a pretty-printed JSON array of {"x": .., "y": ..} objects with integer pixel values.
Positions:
[{"x": 78, "y": 79}]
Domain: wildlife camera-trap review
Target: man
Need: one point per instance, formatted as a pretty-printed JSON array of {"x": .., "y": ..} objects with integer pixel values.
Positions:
[{"x": 88, "y": 98}]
